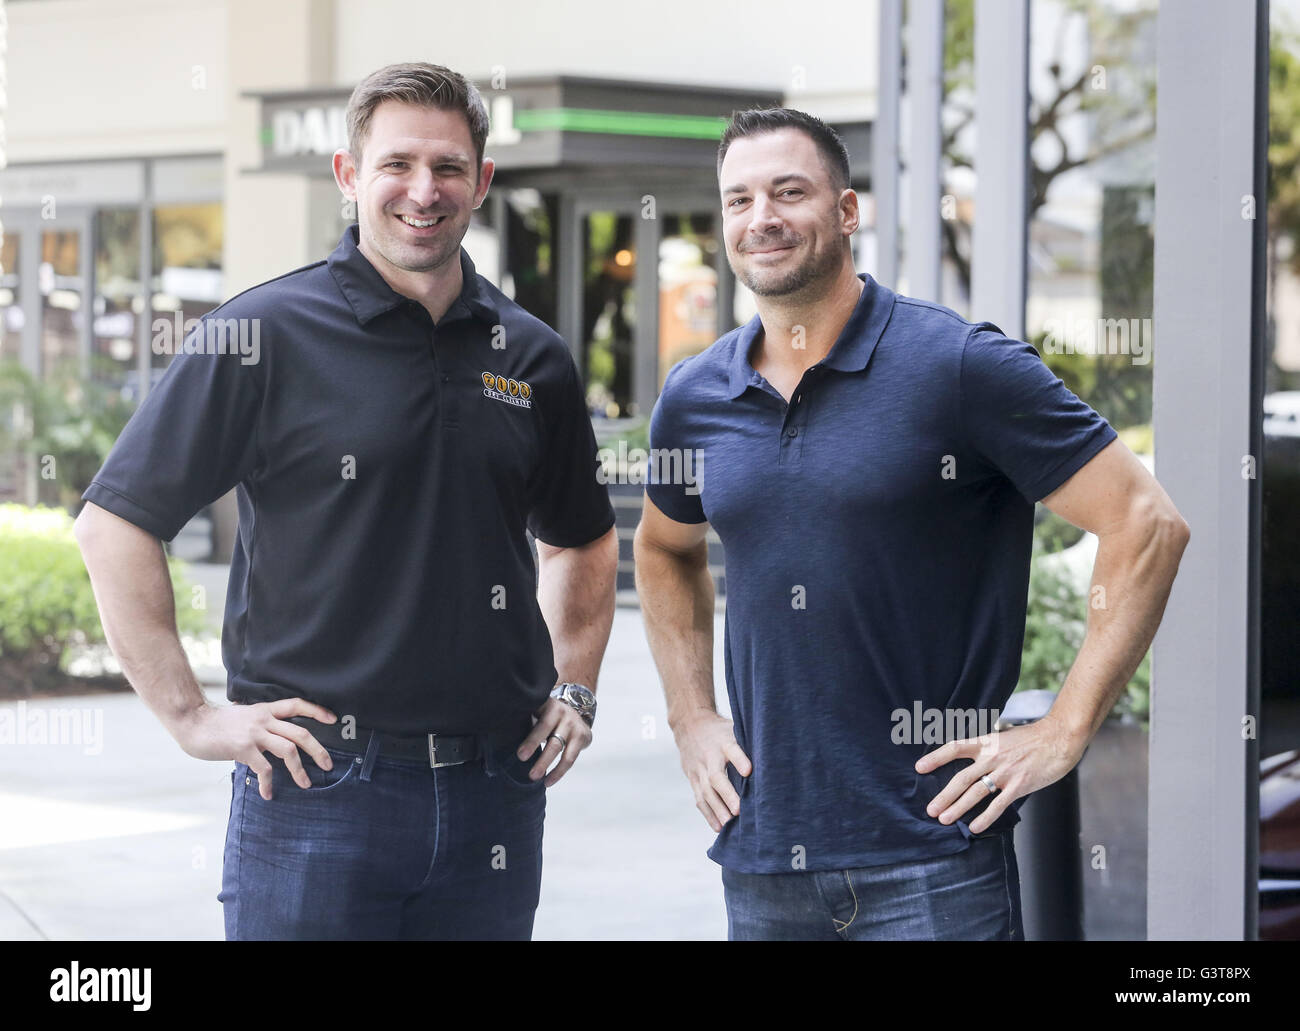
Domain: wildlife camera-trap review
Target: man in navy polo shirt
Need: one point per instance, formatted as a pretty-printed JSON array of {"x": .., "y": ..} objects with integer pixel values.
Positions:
[
  {"x": 394, "y": 433},
  {"x": 871, "y": 463}
]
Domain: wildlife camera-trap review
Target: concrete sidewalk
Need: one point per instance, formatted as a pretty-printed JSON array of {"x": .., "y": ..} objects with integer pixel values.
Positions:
[{"x": 123, "y": 838}]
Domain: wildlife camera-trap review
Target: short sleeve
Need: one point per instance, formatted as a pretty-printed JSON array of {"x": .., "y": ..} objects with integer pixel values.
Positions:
[
  {"x": 571, "y": 507},
  {"x": 1021, "y": 417},
  {"x": 192, "y": 439},
  {"x": 680, "y": 500}
]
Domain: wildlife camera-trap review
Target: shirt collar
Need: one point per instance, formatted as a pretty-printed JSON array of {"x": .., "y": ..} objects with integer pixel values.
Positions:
[
  {"x": 851, "y": 350},
  {"x": 370, "y": 295}
]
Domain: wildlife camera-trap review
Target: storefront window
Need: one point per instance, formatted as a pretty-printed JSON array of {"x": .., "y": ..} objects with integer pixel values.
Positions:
[
  {"x": 187, "y": 278},
  {"x": 688, "y": 288},
  {"x": 1279, "y": 599},
  {"x": 117, "y": 293},
  {"x": 1091, "y": 204},
  {"x": 1091, "y": 130},
  {"x": 11, "y": 312},
  {"x": 608, "y": 311},
  {"x": 957, "y": 156},
  {"x": 531, "y": 218},
  {"x": 62, "y": 294}
]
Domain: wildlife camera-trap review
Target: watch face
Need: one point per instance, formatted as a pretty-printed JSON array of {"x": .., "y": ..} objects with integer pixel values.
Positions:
[{"x": 579, "y": 697}]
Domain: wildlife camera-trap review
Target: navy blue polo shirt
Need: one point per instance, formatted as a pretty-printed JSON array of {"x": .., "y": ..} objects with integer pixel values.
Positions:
[
  {"x": 387, "y": 470},
  {"x": 877, "y": 532}
]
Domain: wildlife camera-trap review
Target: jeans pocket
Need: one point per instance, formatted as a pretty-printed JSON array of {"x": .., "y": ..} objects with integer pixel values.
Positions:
[
  {"x": 346, "y": 768},
  {"x": 503, "y": 761}
]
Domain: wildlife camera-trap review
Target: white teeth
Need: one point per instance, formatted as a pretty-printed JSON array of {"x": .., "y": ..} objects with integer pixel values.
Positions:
[{"x": 420, "y": 224}]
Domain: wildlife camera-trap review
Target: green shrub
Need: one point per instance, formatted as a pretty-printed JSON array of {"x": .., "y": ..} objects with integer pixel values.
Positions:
[
  {"x": 67, "y": 427},
  {"x": 47, "y": 607},
  {"x": 1054, "y": 631},
  {"x": 636, "y": 433}
]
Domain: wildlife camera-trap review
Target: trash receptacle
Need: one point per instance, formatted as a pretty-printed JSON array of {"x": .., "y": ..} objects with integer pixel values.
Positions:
[{"x": 1047, "y": 841}]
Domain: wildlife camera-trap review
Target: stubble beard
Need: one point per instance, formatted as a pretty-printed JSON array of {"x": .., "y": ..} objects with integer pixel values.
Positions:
[
  {"x": 410, "y": 257},
  {"x": 818, "y": 268}
]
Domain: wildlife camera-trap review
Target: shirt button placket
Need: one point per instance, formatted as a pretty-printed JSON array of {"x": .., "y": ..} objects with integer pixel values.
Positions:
[{"x": 791, "y": 442}]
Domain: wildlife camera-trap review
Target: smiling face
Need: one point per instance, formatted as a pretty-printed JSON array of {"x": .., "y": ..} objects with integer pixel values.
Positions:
[
  {"x": 415, "y": 187},
  {"x": 783, "y": 221}
]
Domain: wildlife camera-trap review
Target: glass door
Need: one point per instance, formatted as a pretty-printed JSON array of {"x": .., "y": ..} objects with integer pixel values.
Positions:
[
  {"x": 61, "y": 285},
  {"x": 44, "y": 323},
  {"x": 609, "y": 309},
  {"x": 689, "y": 252}
]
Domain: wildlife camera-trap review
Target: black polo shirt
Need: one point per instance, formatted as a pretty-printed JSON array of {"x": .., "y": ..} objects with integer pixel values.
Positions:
[{"x": 386, "y": 470}]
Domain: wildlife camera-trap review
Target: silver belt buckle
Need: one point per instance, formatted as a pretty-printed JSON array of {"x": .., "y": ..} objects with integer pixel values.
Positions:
[{"x": 433, "y": 754}]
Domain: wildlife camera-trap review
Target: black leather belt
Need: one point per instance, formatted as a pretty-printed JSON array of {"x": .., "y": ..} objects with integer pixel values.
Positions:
[{"x": 435, "y": 749}]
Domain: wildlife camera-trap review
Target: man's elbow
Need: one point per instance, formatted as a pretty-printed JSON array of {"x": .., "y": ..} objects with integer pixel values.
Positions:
[
  {"x": 84, "y": 528},
  {"x": 100, "y": 532},
  {"x": 645, "y": 547},
  {"x": 1182, "y": 532},
  {"x": 598, "y": 555},
  {"x": 1167, "y": 526}
]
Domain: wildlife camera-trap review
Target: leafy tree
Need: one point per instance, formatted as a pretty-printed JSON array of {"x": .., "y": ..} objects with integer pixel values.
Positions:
[{"x": 1122, "y": 118}]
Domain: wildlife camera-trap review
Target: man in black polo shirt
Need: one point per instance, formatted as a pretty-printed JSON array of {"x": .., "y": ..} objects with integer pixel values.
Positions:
[
  {"x": 394, "y": 425},
  {"x": 871, "y": 463}
]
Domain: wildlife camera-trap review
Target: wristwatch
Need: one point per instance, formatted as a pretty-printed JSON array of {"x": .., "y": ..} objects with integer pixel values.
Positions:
[{"x": 580, "y": 698}]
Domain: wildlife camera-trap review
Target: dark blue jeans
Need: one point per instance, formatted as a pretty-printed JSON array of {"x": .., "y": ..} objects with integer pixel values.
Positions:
[
  {"x": 971, "y": 896},
  {"x": 381, "y": 848}
]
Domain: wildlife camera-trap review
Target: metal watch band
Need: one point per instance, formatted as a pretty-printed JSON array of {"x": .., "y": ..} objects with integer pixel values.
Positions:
[{"x": 578, "y": 697}]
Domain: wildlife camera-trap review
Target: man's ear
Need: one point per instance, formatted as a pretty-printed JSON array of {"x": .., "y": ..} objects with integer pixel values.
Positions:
[
  {"x": 485, "y": 174},
  {"x": 345, "y": 174},
  {"x": 850, "y": 213}
]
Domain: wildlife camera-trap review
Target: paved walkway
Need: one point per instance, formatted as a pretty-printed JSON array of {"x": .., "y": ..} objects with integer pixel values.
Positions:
[{"x": 121, "y": 835}]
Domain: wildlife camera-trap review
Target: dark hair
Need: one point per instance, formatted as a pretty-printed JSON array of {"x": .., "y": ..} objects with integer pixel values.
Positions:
[
  {"x": 427, "y": 85},
  {"x": 770, "y": 119}
]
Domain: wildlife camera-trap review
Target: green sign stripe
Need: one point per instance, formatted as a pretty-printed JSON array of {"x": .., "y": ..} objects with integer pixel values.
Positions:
[{"x": 625, "y": 123}]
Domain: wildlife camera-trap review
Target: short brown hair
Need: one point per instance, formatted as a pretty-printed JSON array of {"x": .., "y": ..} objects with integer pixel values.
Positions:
[
  {"x": 771, "y": 119},
  {"x": 426, "y": 85}
]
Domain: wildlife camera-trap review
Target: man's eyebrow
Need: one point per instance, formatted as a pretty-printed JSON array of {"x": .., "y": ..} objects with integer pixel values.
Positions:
[
  {"x": 776, "y": 181},
  {"x": 404, "y": 155}
]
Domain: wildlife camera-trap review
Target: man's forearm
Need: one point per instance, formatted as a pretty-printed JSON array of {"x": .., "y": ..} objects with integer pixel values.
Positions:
[
  {"x": 1131, "y": 580},
  {"x": 575, "y": 591},
  {"x": 676, "y": 593},
  {"x": 133, "y": 589}
]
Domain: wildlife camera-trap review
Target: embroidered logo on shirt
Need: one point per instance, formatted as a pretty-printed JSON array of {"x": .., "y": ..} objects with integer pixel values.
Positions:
[{"x": 511, "y": 391}]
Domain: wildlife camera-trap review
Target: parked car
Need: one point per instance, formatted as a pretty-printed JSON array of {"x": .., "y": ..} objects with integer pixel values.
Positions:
[{"x": 1279, "y": 847}]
